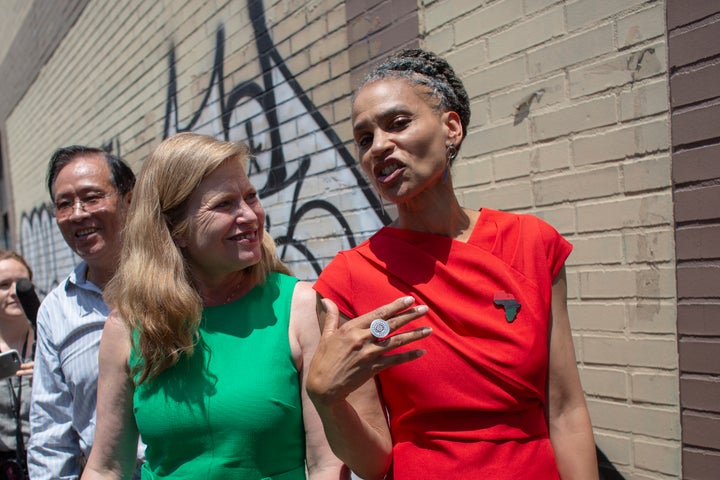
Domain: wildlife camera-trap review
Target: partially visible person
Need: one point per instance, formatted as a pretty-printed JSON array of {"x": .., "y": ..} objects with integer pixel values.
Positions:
[
  {"x": 206, "y": 352},
  {"x": 483, "y": 386},
  {"x": 90, "y": 191},
  {"x": 17, "y": 334}
]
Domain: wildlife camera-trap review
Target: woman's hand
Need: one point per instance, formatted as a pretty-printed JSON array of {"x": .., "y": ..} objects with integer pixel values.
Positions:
[
  {"x": 349, "y": 355},
  {"x": 341, "y": 386},
  {"x": 25, "y": 369}
]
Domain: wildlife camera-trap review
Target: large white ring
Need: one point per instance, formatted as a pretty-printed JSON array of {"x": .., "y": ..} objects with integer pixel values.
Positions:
[{"x": 379, "y": 328}]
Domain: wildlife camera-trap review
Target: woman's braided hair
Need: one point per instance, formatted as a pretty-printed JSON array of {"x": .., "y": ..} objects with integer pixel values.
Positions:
[{"x": 429, "y": 70}]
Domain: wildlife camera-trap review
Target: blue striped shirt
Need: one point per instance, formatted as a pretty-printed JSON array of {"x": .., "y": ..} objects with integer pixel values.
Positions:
[{"x": 62, "y": 413}]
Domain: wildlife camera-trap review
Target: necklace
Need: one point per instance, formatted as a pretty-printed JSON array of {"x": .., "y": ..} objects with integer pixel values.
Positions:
[
  {"x": 240, "y": 289},
  {"x": 215, "y": 296}
]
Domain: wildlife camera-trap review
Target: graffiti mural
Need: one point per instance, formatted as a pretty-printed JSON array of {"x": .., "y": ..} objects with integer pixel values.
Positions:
[
  {"x": 45, "y": 250},
  {"x": 316, "y": 199}
]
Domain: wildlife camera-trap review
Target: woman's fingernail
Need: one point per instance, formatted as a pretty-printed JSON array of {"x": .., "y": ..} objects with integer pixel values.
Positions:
[
  {"x": 408, "y": 300},
  {"x": 422, "y": 309}
]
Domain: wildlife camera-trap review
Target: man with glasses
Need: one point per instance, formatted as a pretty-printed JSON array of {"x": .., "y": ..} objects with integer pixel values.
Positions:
[{"x": 90, "y": 190}]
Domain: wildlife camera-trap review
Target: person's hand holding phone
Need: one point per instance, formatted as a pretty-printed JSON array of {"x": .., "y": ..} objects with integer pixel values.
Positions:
[
  {"x": 25, "y": 369},
  {"x": 10, "y": 364}
]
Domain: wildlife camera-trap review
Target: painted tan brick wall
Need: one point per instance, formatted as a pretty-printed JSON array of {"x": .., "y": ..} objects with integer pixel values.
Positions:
[
  {"x": 108, "y": 83},
  {"x": 570, "y": 122},
  {"x": 591, "y": 156}
]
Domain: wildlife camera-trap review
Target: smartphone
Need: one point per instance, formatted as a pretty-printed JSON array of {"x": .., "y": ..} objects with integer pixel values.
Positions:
[{"x": 9, "y": 364}]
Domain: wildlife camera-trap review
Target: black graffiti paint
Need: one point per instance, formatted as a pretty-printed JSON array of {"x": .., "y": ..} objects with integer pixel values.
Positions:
[
  {"x": 40, "y": 239},
  {"x": 45, "y": 250}
]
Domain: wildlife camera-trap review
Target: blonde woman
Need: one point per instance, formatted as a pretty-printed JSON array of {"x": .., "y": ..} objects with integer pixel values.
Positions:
[{"x": 206, "y": 352}]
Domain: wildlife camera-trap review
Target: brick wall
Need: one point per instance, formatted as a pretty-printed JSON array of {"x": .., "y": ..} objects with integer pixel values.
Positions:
[
  {"x": 274, "y": 74},
  {"x": 570, "y": 107},
  {"x": 29, "y": 34},
  {"x": 570, "y": 122},
  {"x": 694, "y": 61}
]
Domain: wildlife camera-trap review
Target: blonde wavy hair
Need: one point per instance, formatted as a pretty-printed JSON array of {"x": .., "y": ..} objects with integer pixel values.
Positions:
[{"x": 153, "y": 289}]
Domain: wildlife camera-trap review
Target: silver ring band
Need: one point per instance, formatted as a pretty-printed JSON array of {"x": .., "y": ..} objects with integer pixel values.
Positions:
[{"x": 379, "y": 328}]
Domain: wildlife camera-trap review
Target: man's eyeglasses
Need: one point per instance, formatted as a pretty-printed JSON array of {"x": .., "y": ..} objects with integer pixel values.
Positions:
[{"x": 90, "y": 204}]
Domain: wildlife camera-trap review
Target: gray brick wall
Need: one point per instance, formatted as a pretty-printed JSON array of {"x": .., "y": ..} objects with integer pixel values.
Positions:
[{"x": 570, "y": 122}]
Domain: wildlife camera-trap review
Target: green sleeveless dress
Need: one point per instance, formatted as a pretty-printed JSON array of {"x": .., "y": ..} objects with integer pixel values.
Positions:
[{"x": 232, "y": 410}]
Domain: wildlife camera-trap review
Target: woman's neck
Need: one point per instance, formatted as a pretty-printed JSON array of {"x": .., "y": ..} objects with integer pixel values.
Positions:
[
  {"x": 219, "y": 291},
  {"x": 437, "y": 214}
]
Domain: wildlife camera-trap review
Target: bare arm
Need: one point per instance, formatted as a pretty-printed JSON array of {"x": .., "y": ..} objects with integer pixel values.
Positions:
[
  {"x": 570, "y": 430},
  {"x": 341, "y": 383},
  {"x": 322, "y": 463},
  {"x": 116, "y": 436}
]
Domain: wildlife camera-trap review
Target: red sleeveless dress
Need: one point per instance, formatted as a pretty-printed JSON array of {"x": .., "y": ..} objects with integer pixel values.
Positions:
[{"x": 473, "y": 405}]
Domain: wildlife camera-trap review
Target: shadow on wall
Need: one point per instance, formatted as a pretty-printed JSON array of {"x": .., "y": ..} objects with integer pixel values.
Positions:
[{"x": 607, "y": 470}]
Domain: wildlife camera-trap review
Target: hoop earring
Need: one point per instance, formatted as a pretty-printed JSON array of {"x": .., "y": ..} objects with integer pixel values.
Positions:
[{"x": 450, "y": 153}]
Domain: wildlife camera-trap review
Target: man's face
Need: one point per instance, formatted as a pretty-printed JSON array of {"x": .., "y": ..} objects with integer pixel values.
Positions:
[{"x": 92, "y": 213}]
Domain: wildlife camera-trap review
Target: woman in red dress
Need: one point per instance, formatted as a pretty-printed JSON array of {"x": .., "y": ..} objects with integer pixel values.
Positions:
[{"x": 484, "y": 383}]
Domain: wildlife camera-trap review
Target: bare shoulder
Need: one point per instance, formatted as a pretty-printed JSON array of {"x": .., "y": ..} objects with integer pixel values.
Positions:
[
  {"x": 116, "y": 336},
  {"x": 303, "y": 304},
  {"x": 304, "y": 292},
  {"x": 115, "y": 320},
  {"x": 304, "y": 327}
]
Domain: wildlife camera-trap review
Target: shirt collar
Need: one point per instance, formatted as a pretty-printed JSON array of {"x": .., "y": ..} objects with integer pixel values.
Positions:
[{"x": 78, "y": 278}]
